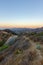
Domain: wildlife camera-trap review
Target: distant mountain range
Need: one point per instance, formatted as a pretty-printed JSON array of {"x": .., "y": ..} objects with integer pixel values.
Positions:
[{"x": 19, "y": 30}]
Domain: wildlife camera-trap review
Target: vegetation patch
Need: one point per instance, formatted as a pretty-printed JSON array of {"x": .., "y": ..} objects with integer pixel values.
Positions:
[
  {"x": 38, "y": 47},
  {"x": 18, "y": 51},
  {"x": 1, "y": 43},
  {"x": 3, "y": 47}
]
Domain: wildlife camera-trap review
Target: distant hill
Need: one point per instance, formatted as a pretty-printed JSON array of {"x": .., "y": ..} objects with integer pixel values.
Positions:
[
  {"x": 18, "y": 30},
  {"x": 38, "y": 30},
  {"x": 9, "y": 31}
]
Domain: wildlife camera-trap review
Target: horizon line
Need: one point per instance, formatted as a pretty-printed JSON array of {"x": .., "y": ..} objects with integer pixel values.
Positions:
[{"x": 22, "y": 27}]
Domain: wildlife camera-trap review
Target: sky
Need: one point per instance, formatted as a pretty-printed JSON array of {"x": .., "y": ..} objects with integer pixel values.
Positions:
[{"x": 21, "y": 13}]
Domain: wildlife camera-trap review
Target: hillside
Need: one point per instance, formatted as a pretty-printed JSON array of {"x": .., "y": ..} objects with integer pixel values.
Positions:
[
  {"x": 4, "y": 35},
  {"x": 23, "y": 49}
]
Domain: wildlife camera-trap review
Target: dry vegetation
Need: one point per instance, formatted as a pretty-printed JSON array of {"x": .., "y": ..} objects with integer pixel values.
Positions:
[{"x": 26, "y": 50}]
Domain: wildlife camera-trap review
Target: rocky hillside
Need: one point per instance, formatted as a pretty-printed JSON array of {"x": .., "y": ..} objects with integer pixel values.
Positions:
[
  {"x": 22, "y": 50},
  {"x": 4, "y": 35}
]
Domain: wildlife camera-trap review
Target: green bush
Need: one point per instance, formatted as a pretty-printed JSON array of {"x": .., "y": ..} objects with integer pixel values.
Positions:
[{"x": 3, "y": 47}]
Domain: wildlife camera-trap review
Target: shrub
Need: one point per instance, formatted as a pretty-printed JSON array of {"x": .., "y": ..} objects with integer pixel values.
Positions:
[
  {"x": 38, "y": 47},
  {"x": 18, "y": 51},
  {"x": 1, "y": 43},
  {"x": 3, "y": 47}
]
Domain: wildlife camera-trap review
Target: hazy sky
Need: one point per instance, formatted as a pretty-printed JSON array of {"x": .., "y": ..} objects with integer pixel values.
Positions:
[{"x": 21, "y": 13}]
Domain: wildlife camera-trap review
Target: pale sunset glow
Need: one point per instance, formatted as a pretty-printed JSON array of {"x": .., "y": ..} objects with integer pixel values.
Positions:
[{"x": 21, "y": 13}]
